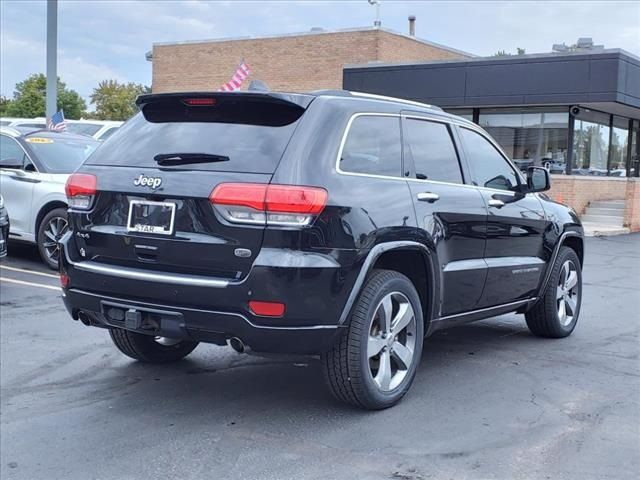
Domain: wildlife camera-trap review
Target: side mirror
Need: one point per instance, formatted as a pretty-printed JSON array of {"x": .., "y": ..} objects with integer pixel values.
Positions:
[
  {"x": 538, "y": 179},
  {"x": 11, "y": 163}
]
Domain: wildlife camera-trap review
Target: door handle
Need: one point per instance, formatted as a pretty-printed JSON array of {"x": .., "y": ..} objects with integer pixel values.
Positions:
[
  {"x": 428, "y": 197},
  {"x": 496, "y": 203}
]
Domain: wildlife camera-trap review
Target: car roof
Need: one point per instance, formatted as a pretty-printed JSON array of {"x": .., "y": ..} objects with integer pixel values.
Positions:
[{"x": 23, "y": 132}]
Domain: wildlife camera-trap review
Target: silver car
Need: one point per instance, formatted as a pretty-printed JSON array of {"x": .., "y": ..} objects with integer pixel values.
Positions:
[{"x": 34, "y": 166}]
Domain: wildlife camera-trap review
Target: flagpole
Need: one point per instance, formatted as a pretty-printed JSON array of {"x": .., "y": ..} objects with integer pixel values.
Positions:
[{"x": 52, "y": 46}]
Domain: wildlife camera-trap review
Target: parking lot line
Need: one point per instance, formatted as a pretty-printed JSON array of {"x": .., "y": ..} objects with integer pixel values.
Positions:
[
  {"x": 14, "y": 269},
  {"x": 30, "y": 284}
]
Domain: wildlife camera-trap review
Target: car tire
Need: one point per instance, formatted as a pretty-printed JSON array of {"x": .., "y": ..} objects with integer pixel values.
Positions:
[
  {"x": 352, "y": 369},
  {"x": 52, "y": 227},
  {"x": 147, "y": 348},
  {"x": 556, "y": 313}
]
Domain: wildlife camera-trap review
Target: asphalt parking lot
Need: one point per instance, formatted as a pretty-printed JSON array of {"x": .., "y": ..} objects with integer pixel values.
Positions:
[{"x": 490, "y": 401}]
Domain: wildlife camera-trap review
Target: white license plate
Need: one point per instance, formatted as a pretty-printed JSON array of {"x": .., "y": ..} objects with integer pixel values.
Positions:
[{"x": 151, "y": 217}]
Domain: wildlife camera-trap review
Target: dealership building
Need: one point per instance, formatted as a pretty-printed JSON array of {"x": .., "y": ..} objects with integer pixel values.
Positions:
[{"x": 576, "y": 113}]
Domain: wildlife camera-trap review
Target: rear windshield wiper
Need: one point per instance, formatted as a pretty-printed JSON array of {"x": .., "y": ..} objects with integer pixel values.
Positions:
[{"x": 169, "y": 159}]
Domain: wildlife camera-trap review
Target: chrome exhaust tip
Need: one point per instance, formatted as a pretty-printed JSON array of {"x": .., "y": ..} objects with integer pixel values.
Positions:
[{"x": 237, "y": 344}]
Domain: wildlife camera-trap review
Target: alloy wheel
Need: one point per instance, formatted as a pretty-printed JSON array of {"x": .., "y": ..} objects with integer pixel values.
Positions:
[
  {"x": 391, "y": 341},
  {"x": 567, "y": 293},
  {"x": 53, "y": 232}
]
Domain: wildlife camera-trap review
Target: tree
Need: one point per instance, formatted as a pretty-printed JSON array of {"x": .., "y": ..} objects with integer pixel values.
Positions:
[
  {"x": 4, "y": 104},
  {"x": 29, "y": 99},
  {"x": 116, "y": 101},
  {"x": 504, "y": 53}
]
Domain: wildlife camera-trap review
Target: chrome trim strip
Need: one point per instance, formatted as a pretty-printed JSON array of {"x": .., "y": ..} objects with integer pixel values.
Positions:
[
  {"x": 491, "y": 262},
  {"x": 488, "y": 309},
  {"x": 408, "y": 179},
  {"x": 498, "y": 262},
  {"x": 385, "y": 98},
  {"x": 158, "y": 277},
  {"x": 232, "y": 314},
  {"x": 463, "y": 265}
]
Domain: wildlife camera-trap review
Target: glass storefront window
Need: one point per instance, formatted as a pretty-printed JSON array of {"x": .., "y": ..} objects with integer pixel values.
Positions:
[
  {"x": 529, "y": 137},
  {"x": 619, "y": 147},
  {"x": 590, "y": 143},
  {"x": 634, "y": 161}
]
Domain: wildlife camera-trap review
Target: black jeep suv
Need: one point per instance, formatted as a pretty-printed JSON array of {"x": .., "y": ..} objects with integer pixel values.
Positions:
[{"x": 337, "y": 224}]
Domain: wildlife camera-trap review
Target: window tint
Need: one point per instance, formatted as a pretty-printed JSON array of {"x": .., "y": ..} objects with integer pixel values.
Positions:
[
  {"x": 433, "y": 153},
  {"x": 250, "y": 147},
  {"x": 10, "y": 152},
  {"x": 373, "y": 146},
  {"x": 490, "y": 168}
]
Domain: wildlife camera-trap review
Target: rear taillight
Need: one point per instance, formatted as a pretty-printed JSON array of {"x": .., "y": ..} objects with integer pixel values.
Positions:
[
  {"x": 80, "y": 190},
  {"x": 262, "y": 204}
]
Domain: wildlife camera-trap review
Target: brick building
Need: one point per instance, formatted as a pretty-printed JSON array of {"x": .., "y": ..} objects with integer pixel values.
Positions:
[{"x": 296, "y": 62}]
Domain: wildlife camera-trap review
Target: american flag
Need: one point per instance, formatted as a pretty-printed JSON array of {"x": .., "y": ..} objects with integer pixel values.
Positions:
[
  {"x": 57, "y": 122},
  {"x": 242, "y": 72}
]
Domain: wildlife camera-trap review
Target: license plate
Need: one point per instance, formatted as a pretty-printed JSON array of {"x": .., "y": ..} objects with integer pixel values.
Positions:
[{"x": 151, "y": 217}]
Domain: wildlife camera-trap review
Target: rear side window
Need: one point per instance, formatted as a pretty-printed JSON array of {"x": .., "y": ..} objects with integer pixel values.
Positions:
[
  {"x": 373, "y": 146},
  {"x": 431, "y": 147},
  {"x": 251, "y": 135}
]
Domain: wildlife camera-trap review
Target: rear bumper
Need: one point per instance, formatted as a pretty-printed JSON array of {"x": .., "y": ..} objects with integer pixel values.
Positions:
[
  {"x": 209, "y": 326},
  {"x": 314, "y": 288}
]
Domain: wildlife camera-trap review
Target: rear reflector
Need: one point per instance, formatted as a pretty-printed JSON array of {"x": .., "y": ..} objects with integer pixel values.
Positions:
[
  {"x": 257, "y": 203},
  {"x": 80, "y": 190},
  {"x": 267, "y": 309}
]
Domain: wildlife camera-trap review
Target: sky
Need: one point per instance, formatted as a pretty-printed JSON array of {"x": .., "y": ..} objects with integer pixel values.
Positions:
[{"x": 108, "y": 39}]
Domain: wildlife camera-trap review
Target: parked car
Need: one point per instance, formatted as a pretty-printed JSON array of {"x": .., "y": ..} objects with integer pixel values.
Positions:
[
  {"x": 336, "y": 224},
  {"x": 98, "y": 129},
  {"x": 4, "y": 228},
  {"x": 35, "y": 123},
  {"x": 34, "y": 166}
]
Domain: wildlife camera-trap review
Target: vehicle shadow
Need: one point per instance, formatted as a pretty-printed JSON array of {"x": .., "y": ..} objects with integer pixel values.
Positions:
[{"x": 214, "y": 380}]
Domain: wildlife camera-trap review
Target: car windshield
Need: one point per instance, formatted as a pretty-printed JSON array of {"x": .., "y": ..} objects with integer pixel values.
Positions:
[
  {"x": 83, "y": 128},
  {"x": 61, "y": 154}
]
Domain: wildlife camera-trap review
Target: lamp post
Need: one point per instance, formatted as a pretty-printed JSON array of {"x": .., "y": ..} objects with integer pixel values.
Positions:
[{"x": 52, "y": 47}]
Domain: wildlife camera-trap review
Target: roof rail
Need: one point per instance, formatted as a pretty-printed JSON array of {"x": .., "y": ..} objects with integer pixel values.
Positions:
[{"x": 384, "y": 98}]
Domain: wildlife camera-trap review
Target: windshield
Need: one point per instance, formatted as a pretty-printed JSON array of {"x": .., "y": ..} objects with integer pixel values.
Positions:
[
  {"x": 83, "y": 128},
  {"x": 61, "y": 154}
]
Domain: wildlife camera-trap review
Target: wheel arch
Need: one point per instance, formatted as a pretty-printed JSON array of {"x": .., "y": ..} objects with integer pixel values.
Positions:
[
  {"x": 413, "y": 260},
  {"x": 44, "y": 210},
  {"x": 569, "y": 238}
]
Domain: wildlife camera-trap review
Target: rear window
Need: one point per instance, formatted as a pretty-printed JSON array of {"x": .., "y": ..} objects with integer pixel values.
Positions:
[{"x": 253, "y": 135}]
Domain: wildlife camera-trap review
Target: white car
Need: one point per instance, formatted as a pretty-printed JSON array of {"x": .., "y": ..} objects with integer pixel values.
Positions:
[
  {"x": 98, "y": 129},
  {"x": 39, "y": 122},
  {"x": 34, "y": 168}
]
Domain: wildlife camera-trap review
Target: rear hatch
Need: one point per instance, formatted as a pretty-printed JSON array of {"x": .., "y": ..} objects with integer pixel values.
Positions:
[{"x": 155, "y": 175}]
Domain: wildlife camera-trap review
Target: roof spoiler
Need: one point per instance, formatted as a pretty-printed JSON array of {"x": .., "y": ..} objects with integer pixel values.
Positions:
[{"x": 301, "y": 100}]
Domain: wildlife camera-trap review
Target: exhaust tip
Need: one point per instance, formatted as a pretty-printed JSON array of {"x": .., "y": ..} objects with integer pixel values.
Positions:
[
  {"x": 84, "y": 318},
  {"x": 236, "y": 344}
]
